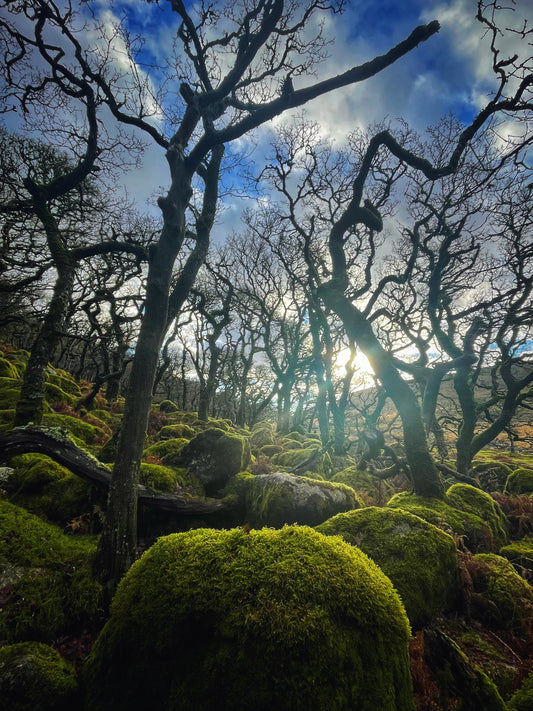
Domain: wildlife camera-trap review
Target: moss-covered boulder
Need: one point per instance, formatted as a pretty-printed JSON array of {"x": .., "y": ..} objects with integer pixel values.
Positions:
[
  {"x": 520, "y": 481},
  {"x": 262, "y": 436},
  {"x": 475, "y": 501},
  {"x": 177, "y": 431},
  {"x": 292, "y": 458},
  {"x": 420, "y": 559},
  {"x": 48, "y": 489},
  {"x": 233, "y": 620},
  {"x": 476, "y": 533},
  {"x": 377, "y": 491},
  {"x": 491, "y": 475},
  {"x": 278, "y": 498},
  {"x": 88, "y": 434},
  {"x": 45, "y": 577},
  {"x": 168, "y": 406},
  {"x": 503, "y": 599},
  {"x": 165, "y": 448},
  {"x": 8, "y": 369},
  {"x": 522, "y": 700},
  {"x": 520, "y": 554},
  {"x": 214, "y": 456},
  {"x": 34, "y": 677}
]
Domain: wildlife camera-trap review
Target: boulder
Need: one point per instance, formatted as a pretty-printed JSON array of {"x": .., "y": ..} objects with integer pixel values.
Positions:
[
  {"x": 234, "y": 620},
  {"x": 278, "y": 498},
  {"x": 419, "y": 558},
  {"x": 214, "y": 456}
]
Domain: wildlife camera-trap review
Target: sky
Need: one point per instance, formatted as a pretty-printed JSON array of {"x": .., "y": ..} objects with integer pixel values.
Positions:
[{"x": 450, "y": 73}]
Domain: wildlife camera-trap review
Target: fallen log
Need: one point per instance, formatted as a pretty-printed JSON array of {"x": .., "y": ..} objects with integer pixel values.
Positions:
[{"x": 56, "y": 443}]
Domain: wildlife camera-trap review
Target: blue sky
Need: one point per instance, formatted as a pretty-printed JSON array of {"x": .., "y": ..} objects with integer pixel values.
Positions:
[{"x": 450, "y": 73}]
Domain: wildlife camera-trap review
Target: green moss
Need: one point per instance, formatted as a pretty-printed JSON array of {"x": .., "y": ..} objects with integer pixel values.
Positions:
[
  {"x": 420, "y": 559},
  {"x": 64, "y": 381},
  {"x": 165, "y": 447},
  {"x": 293, "y": 457},
  {"x": 262, "y": 436},
  {"x": 475, "y": 501},
  {"x": 288, "y": 444},
  {"x": 54, "y": 393},
  {"x": 229, "y": 620},
  {"x": 46, "y": 488},
  {"x": 511, "y": 597},
  {"x": 378, "y": 490},
  {"x": 80, "y": 429},
  {"x": 7, "y": 416},
  {"x": 520, "y": 482},
  {"x": 9, "y": 397},
  {"x": 476, "y": 533},
  {"x": 176, "y": 432},
  {"x": 46, "y": 577},
  {"x": 277, "y": 499},
  {"x": 269, "y": 450},
  {"x": 520, "y": 554},
  {"x": 296, "y": 436},
  {"x": 168, "y": 406},
  {"x": 34, "y": 676},
  {"x": 158, "y": 478},
  {"x": 522, "y": 700},
  {"x": 493, "y": 661},
  {"x": 8, "y": 369}
]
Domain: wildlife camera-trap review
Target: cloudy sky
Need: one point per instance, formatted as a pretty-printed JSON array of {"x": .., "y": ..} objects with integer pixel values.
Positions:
[{"x": 450, "y": 73}]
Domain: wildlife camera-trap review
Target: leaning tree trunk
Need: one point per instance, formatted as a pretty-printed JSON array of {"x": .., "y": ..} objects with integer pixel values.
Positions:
[
  {"x": 424, "y": 473},
  {"x": 30, "y": 406}
]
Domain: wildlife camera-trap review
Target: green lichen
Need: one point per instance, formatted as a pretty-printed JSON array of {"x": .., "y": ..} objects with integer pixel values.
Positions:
[
  {"x": 520, "y": 482},
  {"x": 51, "y": 590},
  {"x": 420, "y": 559},
  {"x": 35, "y": 677},
  {"x": 228, "y": 620},
  {"x": 509, "y": 595}
]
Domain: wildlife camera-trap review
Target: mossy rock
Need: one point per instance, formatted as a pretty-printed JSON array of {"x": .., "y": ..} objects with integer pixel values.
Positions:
[
  {"x": 289, "y": 444},
  {"x": 168, "y": 406},
  {"x": 261, "y": 437},
  {"x": 520, "y": 554},
  {"x": 34, "y": 677},
  {"x": 104, "y": 416},
  {"x": 476, "y": 533},
  {"x": 522, "y": 699},
  {"x": 420, "y": 559},
  {"x": 48, "y": 489},
  {"x": 89, "y": 434},
  {"x": 64, "y": 381},
  {"x": 54, "y": 394},
  {"x": 510, "y": 597},
  {"x": 478, "y": 502},
  {"x": 461, "y": 685},
  {"x": 269, "y": 450},
  {"x": 214, "y": 456},
  {"x": 165, "y": 448},
  {"x": 233, "y": 620},
  {"x": 520, "y": 482},
  {"x": 277, "y": 499},
  {"x": 293, "y": 457},
  {"x": 491, "y": 475},
  {"x": 378, "y": 490},
  {"x": 8, "y": 369},
  {"x": 46, "y": 577},
  {"x": 7, "y": 416},
  {"x": 156, "y": 477},
  {"x": 178, "y": 431},
  {"x": 9, "y": 397}
]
